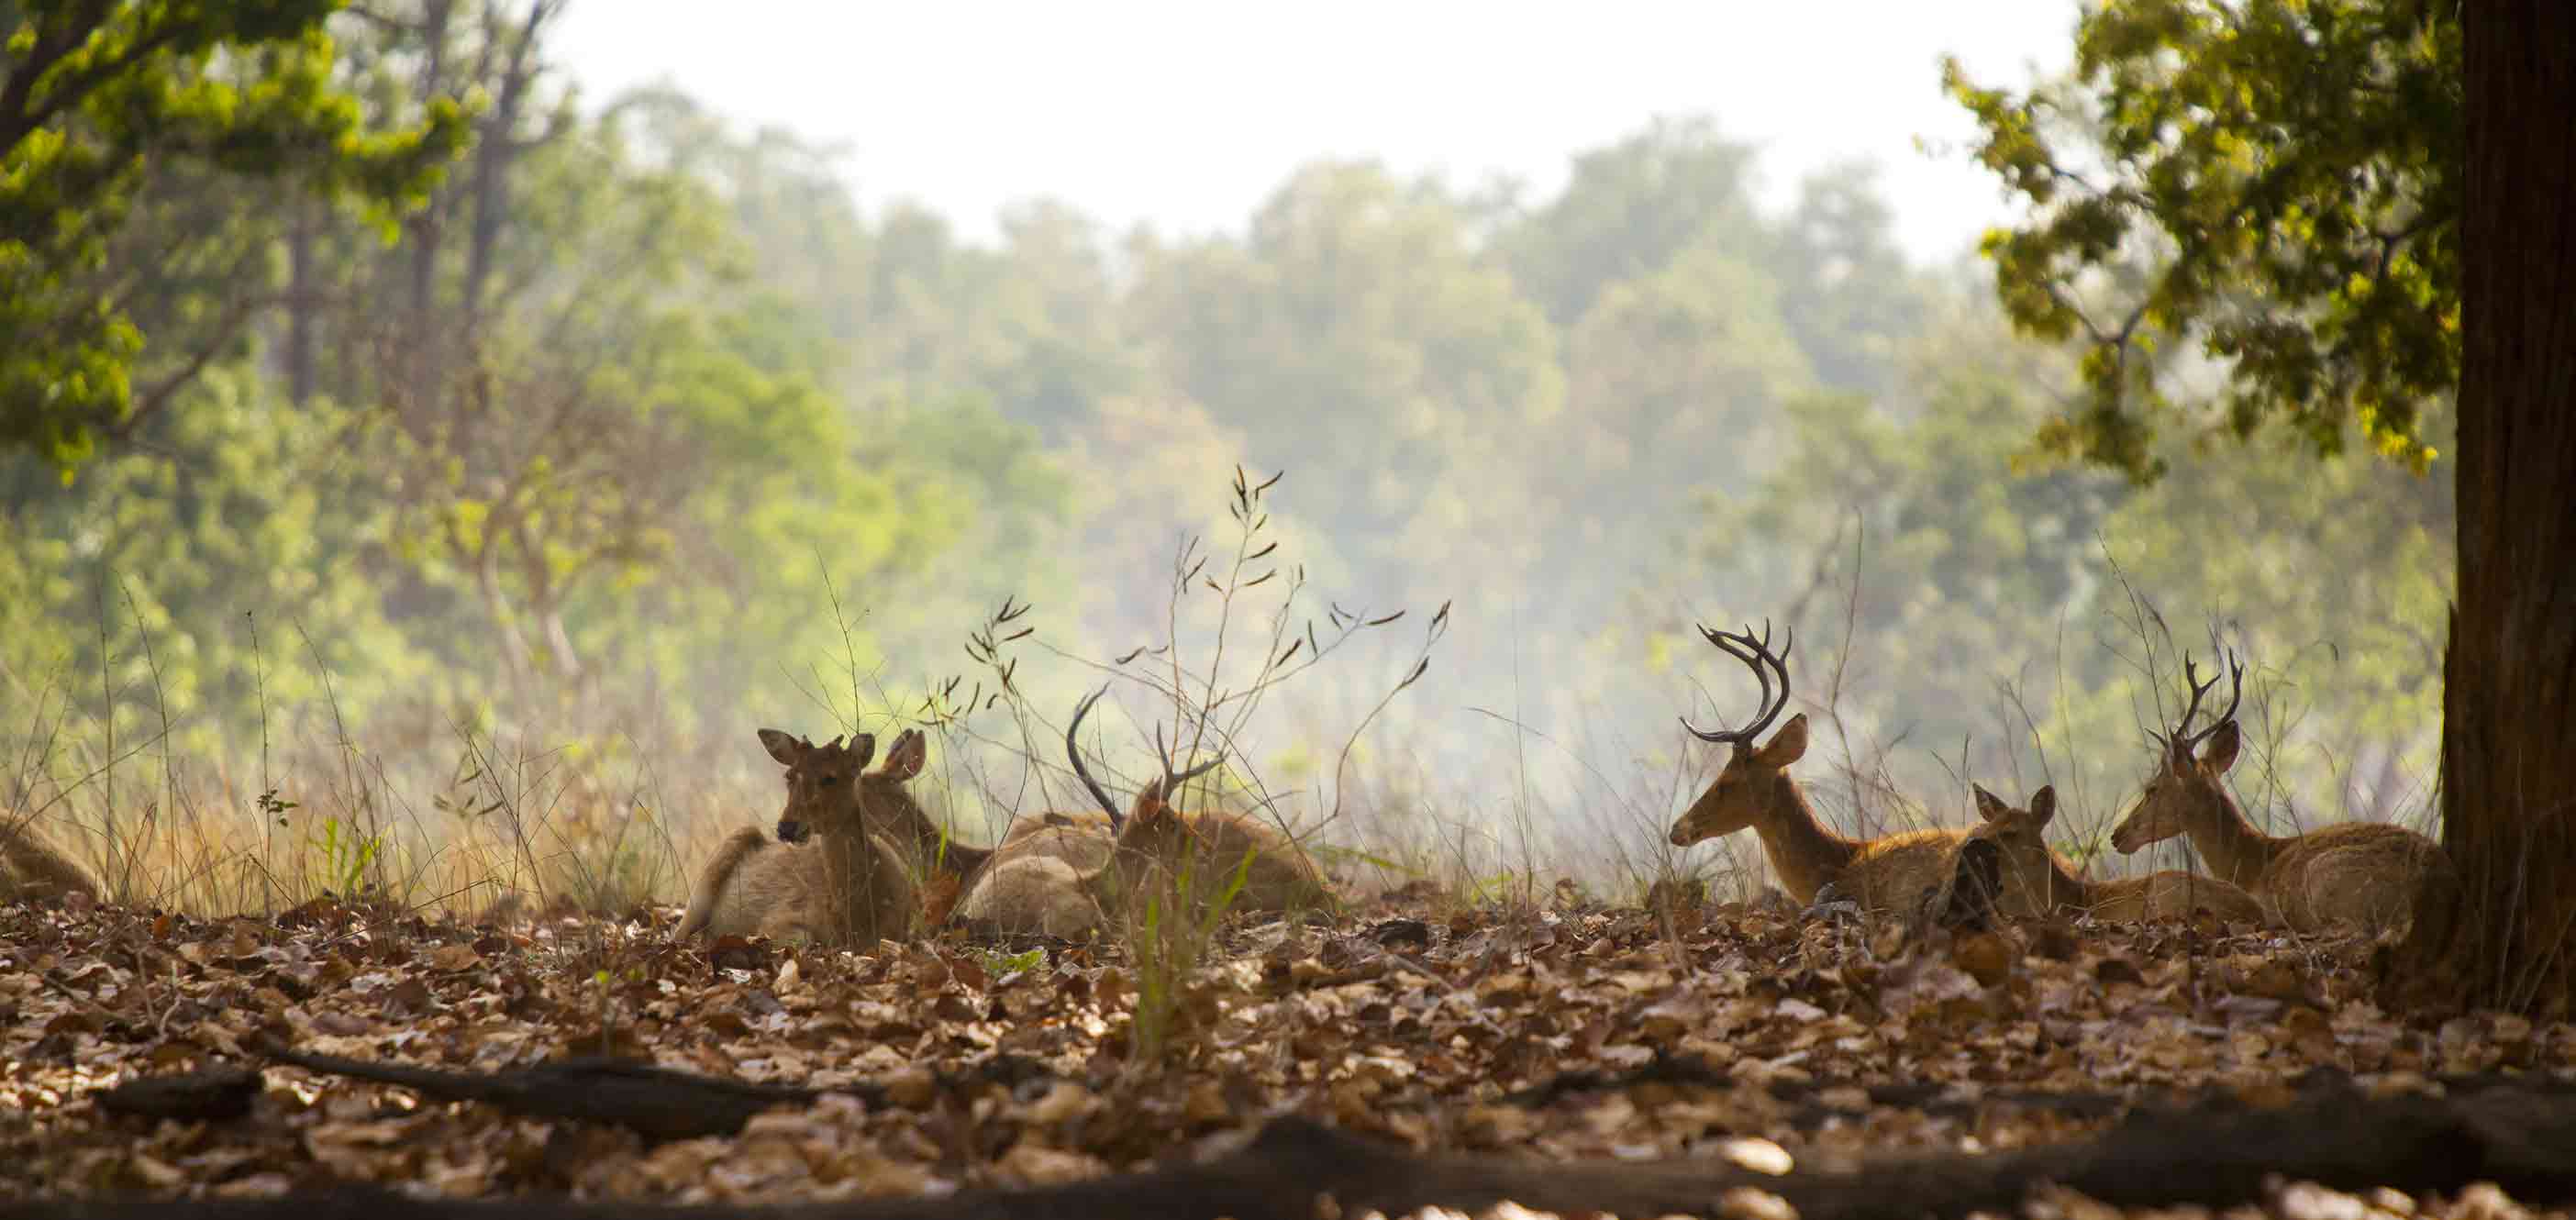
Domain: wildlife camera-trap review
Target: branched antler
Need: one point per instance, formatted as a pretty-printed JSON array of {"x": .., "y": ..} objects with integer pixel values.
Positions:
[
  {"x": 2183, "y": 741},
  {"x": 1756, "y": 655},
  {"x": 1153, "y": 793}
]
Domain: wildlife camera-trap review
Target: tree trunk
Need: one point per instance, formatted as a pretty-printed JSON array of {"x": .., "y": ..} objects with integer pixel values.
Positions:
[
  {"x": 2509, "y": 704},
  {"x": 303, "y": 301}
]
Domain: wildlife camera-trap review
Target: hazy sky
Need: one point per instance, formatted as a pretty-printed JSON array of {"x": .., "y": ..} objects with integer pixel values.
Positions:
[{"x": 1186, "y": 115}]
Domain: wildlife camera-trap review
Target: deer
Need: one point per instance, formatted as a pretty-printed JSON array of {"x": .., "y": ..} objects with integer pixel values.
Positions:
[
  {"x": 848, "y": 887},
  {"x": 946, "y": 866},
  {"x": 2354, "y": 874},
  {"x": 1064, "y": 872},
  {"x": 1889, "y": 874},
  {"x": 888, "y": 807},
  {"x": 1058, "y": 877},
  {"x": 32, "y": 871},
  {"x": 2038, "y": 882}
]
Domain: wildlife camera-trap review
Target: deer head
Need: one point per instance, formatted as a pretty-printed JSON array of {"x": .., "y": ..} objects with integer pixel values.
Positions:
[
  {"x": 2190, "y": 765},
  {"x": 822, "y": 782},
  {"x": 1150, "y": 826},
  {"x": 1746, "y": 786},
  {"x": 2021, "y": 835}
]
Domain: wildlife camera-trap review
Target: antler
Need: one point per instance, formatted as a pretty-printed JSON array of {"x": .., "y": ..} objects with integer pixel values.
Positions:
[
  {"x": 1171, "y": 780},
  {"x": 1755, "y": 654},
  {"x": 1074, "y": 752},
  {"x": 2183, "y": 741}
]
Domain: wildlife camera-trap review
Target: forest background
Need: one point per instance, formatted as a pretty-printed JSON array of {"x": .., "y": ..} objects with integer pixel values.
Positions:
[{"x": 456, "y": 550}]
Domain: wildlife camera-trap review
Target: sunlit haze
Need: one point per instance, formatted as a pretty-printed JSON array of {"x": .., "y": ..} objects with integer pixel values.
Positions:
[{"x": 1184, "y": 116}]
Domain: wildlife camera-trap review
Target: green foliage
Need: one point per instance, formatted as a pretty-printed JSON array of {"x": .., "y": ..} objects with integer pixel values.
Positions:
[
  {"x": 145, "y": 581},
  {"x": 95, "y": 95},
  {"x": 1002, "y": 965},
  {"x": 1975, "y": 611},
  {"x": 1628, "y": 210},
  {"x": 1679, "y": 377},
  {"x": 346, "y": 853},
  {"x": 1354, "y": 335},
  {"x": 1180, "y": 915},
  {"x": 2277, "y": 180},
  {"x": 638, "y": 429}
]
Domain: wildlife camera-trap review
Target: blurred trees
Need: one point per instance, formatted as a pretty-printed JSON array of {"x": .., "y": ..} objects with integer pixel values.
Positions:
[
  {"x": 129, "y": 134},
  {"x": 554, "y": 444},
  {"x": 628, "y": 412}
]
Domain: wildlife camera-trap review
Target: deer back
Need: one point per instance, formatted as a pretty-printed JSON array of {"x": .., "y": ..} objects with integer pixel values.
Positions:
[{"x": 2362, "y": 875}]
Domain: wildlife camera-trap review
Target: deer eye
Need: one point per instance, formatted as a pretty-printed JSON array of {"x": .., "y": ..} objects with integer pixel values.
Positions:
[{"x": 828, "y": 780}]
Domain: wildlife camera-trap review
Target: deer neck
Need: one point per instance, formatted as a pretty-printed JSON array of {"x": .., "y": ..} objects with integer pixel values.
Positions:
[
  {"x": 849, "y": 864},
  {"x": 1803, "y": 852},
  {"x": 2053, "y": 884},
  {"x": 888, "y": 804},
  {"x": 2236, "y": 852}
]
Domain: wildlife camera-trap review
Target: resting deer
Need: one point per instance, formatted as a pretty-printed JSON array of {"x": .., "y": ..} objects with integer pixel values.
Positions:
[
  {"x": 1058, "y": 877},
  {"x": 1889, "y": 874},
  {"x": 2038, "y": 882},
  {"x": 2356, "y": 873},
  {"x": 849, "y": 887},
  {"x": 32, "y": 871},
  {"x": 887, "y": 806}
]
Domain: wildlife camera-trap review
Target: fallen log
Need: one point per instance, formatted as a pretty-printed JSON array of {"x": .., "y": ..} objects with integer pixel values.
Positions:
[
  {"x": 214, "y": 1094},
  {"x": 2521, "y": 1138},
  {"x": 656, "y": 1102}
]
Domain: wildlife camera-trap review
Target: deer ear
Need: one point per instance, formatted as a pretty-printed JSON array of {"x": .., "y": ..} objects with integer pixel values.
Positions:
[
  {"x": 2043, "y": 804},
  {"x": 2220, "y": 754},
  {"x": 1989, "y": 806},
  {"x": 787, "y": 750},
  {"x": 863, "y": 746},
  {"x": 905, "y": 758},
  {"x": 1786, "y": 746}
]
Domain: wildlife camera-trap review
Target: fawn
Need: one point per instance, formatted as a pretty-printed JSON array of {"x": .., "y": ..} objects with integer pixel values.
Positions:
[
  {"x": 2038, "y": 882},
  {"x": 849, "y": 887},
  {"x": 2356, "y": 873},
  {"x": 1059, "y": 875},
  {"x": 32, "y": 871},
  {"x": 1893, "y": 873}
]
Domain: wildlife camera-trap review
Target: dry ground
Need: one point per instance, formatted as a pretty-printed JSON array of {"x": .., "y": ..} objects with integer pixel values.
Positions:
[{"x": 1750, "y": 1032}]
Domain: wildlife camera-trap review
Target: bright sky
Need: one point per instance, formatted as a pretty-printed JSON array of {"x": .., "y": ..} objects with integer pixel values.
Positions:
[{"x": 1188, "y": 115}]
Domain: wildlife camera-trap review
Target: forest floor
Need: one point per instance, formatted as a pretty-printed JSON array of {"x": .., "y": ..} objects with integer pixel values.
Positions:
[{"x": 1753, "y": 1033}]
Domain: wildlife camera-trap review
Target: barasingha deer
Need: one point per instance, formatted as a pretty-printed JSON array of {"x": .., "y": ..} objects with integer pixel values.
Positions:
[
  {"x": 32, "y": 871},
  {"x": 2354, "y": 874},
  {"x": 848, "y": 886},
  {"x": 2039, "y": 882},
  {"x": 1892, "y": 874},
  {"x": 1061, "y": 877},
  {"x": 944, "y": 866},
  {"x": 1058, "y": 879}
]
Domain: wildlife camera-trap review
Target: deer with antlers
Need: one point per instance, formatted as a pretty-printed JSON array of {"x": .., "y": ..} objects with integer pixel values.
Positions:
[
  {"x": 1060, "y": 877},
  {"x": 848, "y": 887},
  {"x": 2364, "y": 874},
  {"x": 2038, "y": 881},
  {"x": 1893, "y": 873}
]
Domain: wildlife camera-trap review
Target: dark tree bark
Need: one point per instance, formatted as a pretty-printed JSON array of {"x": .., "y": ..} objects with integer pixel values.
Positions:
[{"x": 2509, "y": 707}]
